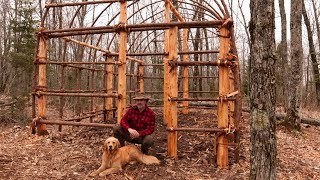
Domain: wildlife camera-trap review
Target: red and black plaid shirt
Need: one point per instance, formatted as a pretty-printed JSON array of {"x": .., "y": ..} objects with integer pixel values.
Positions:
[{"x": 143, "y": 122}]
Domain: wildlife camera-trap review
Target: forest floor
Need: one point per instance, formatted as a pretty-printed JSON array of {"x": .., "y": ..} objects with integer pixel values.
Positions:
[{"x": 76, "y": 151}]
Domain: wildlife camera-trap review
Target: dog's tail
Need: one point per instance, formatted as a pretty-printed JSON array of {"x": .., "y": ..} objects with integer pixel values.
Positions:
[{"x": 146, "y": 159}]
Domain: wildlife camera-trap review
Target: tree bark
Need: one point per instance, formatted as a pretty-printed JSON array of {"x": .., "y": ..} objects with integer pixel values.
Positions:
[
  {"x": 312, "y": 52},
  {"x": 262, "y": 91},
  {"x": 283, "y": 54},
  {"x": 316, "y": 20},
  {"x": 315, "y": 64},
  {"x": 292, "y": 121}
]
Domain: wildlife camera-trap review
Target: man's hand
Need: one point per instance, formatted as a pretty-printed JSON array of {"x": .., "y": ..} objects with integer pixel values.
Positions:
[{"x": 133, "y": 133}]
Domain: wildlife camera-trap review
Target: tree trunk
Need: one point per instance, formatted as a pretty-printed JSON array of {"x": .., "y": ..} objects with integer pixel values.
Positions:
[
  {"x": 315, "y": 65},
  {"x": 316, "y": 20},
  {"x": 196, "y": 43},
  {"x": 313, "y": 55},
  {"x": 292, "y": 121},
  {"x": 283, "y": 55},
  {"x": 262, "y": 95}
]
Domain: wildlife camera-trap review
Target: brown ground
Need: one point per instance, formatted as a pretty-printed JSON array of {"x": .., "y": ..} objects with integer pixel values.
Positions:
[{"x": 75, "y": 152}]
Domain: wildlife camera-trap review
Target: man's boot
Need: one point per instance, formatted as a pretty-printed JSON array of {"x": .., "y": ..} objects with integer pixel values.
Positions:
[
  {"x": 144, "y": 149},
  {"x": 118, "y": 133},
  {"x": 146, "y": 143}
]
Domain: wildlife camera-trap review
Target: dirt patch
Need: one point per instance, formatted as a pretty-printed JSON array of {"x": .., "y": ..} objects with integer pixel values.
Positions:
[{"x": 75, "y": 152}]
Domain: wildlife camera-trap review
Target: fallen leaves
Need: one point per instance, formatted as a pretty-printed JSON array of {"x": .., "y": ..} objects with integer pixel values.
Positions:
[{"x": 76, "y": 151}]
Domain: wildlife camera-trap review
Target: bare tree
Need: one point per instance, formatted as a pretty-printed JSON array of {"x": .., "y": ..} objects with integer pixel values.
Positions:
[
  {"x": 292, "y": 119},
  {"x": 312, "y": 52},
  {"x": 5, "y": 45},
  {"x": 315, "y": 64},
  {"x": 262, "y": 94},
  {"x": 283, "y": 55},
  {"x": 316, "y": 18}
]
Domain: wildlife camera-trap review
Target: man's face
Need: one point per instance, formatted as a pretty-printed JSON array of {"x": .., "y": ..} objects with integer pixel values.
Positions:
[{"x": 141, "y": 103}]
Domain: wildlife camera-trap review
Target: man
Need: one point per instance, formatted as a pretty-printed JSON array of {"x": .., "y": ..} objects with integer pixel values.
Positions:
[{"x": 137, "y": 125}]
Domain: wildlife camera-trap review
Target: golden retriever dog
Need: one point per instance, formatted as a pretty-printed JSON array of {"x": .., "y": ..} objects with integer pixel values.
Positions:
[{"x": 115, "y": 157}]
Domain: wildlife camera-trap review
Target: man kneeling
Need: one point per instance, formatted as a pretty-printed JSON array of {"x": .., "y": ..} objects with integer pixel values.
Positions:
[{"x": 137, "y": 125}]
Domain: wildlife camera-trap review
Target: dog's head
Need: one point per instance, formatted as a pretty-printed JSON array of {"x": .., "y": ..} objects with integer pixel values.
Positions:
[{"x": 111, "y": 144}]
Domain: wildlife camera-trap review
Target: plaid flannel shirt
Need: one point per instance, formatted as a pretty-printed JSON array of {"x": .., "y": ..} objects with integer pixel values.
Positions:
[{"x": 143, "y": 122}]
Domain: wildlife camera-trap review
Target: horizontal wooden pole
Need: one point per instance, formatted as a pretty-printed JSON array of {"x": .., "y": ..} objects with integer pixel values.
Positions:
[
  {"x": 198, "y": 52},
  {"x": 182, "y": 91},
  {"x": 214, "y": 130},
  {"x": 73, "y": 91},
  {"x": 71, "y": 66},
  {"x": 163, "y": 54},
  {"x": 130, "y": 27},
  {"x": 154, "y": 92},
  {"x": 190, "y": 107},
  {"x": 201, "y": 99},
  {"x": 200, "y": 63},
  {"x": 197, "y": 77},
  {"x": 196, "y": 107},
  {"x": 39, "y": 93},
  {"x": 152, "y": 64},
  {"x": 70, "y": 123},
  {"x": 87, "y": 63},
  {"x": 86, "y": 45},
  {"x": 79, "y": 33},
  {"x": 190, "y": 77},
  {"x": 135, "y": 60},
  {"x": 152, "y": 77},
  {"x": 188, "y": 24},
  {"x": 200, "y": 91},
  {"x": 145, "y": 54},
  {"x": 81, "y": 3}
]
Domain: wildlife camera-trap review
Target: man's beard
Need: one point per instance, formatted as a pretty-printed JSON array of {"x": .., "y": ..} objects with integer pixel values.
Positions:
[{"x": 140, "y": 106}]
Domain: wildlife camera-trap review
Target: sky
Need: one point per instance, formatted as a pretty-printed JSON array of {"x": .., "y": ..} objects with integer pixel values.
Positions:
[
  {"x": 278, "y": 19},
  {"x": 246, "y": 10}
]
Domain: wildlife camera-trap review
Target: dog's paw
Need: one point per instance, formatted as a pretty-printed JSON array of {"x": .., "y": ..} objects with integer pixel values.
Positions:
[
  {"x": 92, "y": 174},
  {"x": 102, "y": 174}
]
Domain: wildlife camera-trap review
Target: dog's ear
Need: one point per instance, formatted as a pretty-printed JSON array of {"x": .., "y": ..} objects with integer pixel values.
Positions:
[{"x": 105, "y": 146}]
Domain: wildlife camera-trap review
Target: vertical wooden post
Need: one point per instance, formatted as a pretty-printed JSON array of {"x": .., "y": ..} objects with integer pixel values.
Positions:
[
  {"x": 140, "y": 76},
  {"x": 185, "y": 72},
  {"x": 42, "y": 84},
  {"x": 238, "y": 109},
  {"x": 222, "y": 152},
  {"x": 105, "y": 89},
  {"x": 122, "y": 79},
  {"x": 92, "y": 88},
  {"x": 237, "y": 86},
  {"x": 78, "y": 108},
  {"x": 166, "y": 77},
  {"x": 232, "y": 111},
  {"x": 62, "y": 82},
  {"x": 62, "y": 98},
  {"x": 173, "y": 91},
  {"x": 231, "y": 103},
  {"x": 109, "y": 101},
  {"x": 34, "y": 84}
]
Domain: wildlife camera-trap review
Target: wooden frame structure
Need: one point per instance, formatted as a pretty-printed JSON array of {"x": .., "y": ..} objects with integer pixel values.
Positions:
[{"x": 115, "y": 91}]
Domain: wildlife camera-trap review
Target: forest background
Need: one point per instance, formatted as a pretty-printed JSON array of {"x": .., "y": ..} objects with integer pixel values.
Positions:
[{"x": 20, "y": 20}]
